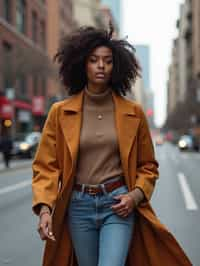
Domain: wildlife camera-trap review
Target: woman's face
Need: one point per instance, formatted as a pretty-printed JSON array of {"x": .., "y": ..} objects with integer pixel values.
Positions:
[{"x": 99, "y": 66}]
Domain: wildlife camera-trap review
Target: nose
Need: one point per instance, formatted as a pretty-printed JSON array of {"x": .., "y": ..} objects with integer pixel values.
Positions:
[{"x": 100, "y": 63}]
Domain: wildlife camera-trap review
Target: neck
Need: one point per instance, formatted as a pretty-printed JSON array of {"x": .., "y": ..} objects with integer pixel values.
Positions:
[
  {"x": 101, "y": 99},
  {"x": 96, "y": 89}
]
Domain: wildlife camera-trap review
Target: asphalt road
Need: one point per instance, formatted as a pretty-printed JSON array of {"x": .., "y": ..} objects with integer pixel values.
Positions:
[
  {"x": 176, "y": 201},
  {"x": 20, "y": 244}
]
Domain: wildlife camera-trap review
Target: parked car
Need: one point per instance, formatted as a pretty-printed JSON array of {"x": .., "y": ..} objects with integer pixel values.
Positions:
[
  {"x": 188, "y": 142},
  {"x": 25, "y": 146}
]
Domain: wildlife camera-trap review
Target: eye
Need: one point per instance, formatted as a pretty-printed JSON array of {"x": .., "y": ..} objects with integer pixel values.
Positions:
[
  {"x": 109, "y": 61},
  {"x": 92, "y": 59}
]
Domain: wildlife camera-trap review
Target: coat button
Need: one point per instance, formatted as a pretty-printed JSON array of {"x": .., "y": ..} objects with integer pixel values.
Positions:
[{"x": 100, "y": 117}]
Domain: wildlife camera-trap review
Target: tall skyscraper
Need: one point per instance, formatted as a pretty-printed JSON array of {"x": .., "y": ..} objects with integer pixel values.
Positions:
[
  {"x": 143, "y": 55},
  {"x": 115, "y": 6}
]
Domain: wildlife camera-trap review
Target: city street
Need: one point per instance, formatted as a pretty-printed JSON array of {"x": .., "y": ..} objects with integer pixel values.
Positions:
[{"x": 176, "y": 201}]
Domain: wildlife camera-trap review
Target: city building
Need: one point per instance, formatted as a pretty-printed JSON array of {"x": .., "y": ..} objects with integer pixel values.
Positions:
[
  {"x": 115, "y": 7},
  {"x": 195, "y": 17},
  {"x": 173, "y": 85},
  {"x": 106, "y": 17},
  {"x": 184, "y": 72},
  {"x": 182, "y": 25},
  {"x": 143, "y": 56},
  {"x": 196, "y": 36},
  {"x": 23, "y": 40},
  {"x": 86, "y": 12},
  {"x": 93, "y": 13},
  {"x": 138, "y": 92},
  {"x": 57, "y": 28}
]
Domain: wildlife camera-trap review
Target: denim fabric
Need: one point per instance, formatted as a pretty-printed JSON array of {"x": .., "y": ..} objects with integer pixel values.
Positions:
[{"x": 99, "y": 236}]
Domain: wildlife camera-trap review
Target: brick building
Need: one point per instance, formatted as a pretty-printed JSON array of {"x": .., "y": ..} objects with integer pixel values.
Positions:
[
  {"x": 61, "y": 25},
  {"x": 23, "y": 24}
]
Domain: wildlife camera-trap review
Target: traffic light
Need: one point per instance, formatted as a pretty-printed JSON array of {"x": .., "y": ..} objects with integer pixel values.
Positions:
[{"x": 149, "y": 112}]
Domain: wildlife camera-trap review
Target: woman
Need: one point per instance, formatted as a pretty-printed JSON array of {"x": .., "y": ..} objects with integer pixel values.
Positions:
[{"x": 94, "y": 170}]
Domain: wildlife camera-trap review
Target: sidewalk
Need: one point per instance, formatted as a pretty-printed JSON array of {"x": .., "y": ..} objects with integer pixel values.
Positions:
[{"x": 15, "y": 164}]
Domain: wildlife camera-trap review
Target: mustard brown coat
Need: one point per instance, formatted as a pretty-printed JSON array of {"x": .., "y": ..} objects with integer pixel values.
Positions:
[{"x": 54, "y": 168}]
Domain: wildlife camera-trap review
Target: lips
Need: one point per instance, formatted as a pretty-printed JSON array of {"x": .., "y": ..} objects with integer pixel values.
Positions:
[{"x": 100, "y": 75}]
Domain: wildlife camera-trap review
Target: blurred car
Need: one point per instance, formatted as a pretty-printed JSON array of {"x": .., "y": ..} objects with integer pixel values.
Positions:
[
  {"x": 188, "y": 142},
  {"x": 26, "y": 146}
]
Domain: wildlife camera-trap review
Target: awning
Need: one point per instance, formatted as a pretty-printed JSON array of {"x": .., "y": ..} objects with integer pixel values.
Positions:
[{"x": 22, "y": 105}]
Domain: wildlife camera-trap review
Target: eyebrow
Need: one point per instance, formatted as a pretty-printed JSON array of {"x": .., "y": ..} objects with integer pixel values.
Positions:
[{"x": 105, "y": 56}]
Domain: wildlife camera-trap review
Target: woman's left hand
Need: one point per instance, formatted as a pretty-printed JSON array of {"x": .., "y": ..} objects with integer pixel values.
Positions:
[{"x": 125, "y": 206}]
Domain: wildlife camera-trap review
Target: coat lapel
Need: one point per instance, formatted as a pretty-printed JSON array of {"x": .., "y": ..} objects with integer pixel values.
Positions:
[
  {"x": 71, "y": 125},
  {"x": 127, "y": 125}
]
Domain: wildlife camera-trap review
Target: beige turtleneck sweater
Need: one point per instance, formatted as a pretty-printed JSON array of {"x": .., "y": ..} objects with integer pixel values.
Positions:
[{"x": 99, "y": 157}]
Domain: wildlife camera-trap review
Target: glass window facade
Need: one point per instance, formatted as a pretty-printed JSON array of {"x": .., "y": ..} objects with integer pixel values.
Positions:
[
  {"x": 21, "y": 16},
  {"x": 7, "y": 10},
  {"x": 34, "y": 27}
]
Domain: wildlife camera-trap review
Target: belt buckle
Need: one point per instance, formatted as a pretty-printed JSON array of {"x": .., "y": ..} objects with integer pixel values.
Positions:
[{"x": 91, "y": 191}]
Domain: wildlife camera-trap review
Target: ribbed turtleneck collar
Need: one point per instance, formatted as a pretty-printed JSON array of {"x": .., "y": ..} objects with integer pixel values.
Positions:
[{"x": 97, "y": 99}]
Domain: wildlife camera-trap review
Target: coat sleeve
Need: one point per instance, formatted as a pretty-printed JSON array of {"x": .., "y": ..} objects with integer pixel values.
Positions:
[
  {"x": 45, "y": 166},
  {"x": 147, "y": 166}
]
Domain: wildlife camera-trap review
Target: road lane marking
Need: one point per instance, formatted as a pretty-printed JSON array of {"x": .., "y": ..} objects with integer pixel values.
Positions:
[
  {"x": 188, "y": 197},
  {"x": 17, "y": 186}
]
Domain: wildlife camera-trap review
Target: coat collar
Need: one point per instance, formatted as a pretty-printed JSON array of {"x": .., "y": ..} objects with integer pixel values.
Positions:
[{"x": 74, "y": 104}]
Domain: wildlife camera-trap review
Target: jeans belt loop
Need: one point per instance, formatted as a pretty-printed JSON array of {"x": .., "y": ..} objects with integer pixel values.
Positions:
[
  {"x": 103, "y": 189},
  {"x": 83, "y": 189}
]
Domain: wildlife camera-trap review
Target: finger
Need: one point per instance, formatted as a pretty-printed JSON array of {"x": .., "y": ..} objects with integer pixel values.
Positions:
[
  {"x": 118, "y": 206},
  {"x": 118, "y": 196},
  {"x": 121, "y": 209},
  {"x": 51, "y": 236},
  {"x": 122, "y": 213},
  {"x": 41, "y": 232},
  {"x": 50, "y": 232}
]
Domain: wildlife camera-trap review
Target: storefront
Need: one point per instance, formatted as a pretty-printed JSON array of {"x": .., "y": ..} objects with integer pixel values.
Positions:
[
  {"x": 23, "y": 116},
  {"x": 38, "y": 111}
]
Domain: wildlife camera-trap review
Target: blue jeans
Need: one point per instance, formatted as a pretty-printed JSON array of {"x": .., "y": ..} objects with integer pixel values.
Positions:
[{"x": 99, "y": 236}]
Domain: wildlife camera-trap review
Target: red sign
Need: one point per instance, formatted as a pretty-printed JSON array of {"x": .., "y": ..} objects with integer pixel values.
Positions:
[
  {"x": 38, "y": 106},
  {"x": 6, "y": 109}
]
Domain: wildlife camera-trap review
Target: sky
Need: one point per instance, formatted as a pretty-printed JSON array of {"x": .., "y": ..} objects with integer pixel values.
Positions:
[{"x": 153, "y": 23}]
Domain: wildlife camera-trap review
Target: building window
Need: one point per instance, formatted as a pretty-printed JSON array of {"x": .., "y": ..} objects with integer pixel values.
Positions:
[
  {"x": 34, "y": 26},
  {"x": 6, "y": 65},
  {"x": 7, "y": 10},
  {"x": 21, "y": 16},
  {"x": 43, "y": 85},
  {"x": 22, "y": 87},
  {"x": 43, "y": 34},
  {"x": 35, "y": 85}
]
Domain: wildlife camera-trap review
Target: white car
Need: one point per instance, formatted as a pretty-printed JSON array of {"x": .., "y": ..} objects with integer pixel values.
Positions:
[{"x": 26, "y": 147}]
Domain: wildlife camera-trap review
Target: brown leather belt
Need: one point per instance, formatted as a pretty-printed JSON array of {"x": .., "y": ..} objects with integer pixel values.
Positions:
[{"x": 96, "y": 190}]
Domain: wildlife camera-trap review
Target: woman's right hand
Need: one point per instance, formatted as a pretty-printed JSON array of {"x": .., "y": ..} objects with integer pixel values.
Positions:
[{"x": 45, "y": 227}]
